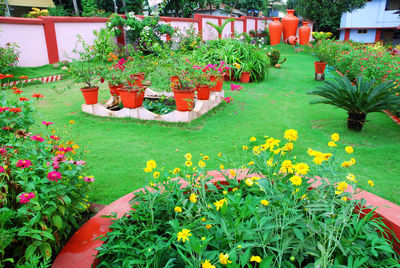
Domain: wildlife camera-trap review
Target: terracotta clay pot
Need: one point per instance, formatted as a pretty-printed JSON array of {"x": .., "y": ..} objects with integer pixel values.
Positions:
[
  {"x": 132, "y": 97},
  {"x": 292, "y": 40},
  {"x": 319, "y": 67},
  {"x": 203, "y": 92},
  {"x": 245, "y": 77},
  {"x": 91, "y": 95},
  {"x": 275, "y": 31},
  {"x": 114, "y": 89},
  {"x": 184, "y": 99},
  {"x": 304, "y": 33},
  {"x": 290, "y": 23},
  {"x": 219, "y": 83}
]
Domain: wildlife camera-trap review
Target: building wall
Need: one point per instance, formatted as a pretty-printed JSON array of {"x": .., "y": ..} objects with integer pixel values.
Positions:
[{"x": 368, "y": 37}]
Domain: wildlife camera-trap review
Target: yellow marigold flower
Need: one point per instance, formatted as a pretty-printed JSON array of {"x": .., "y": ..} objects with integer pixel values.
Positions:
[
  {"x": 287, "y": 166},
  {"x": 234, "y": 189},
  {"x": 208, "y": 226},
  {"x": 296, "y": 180},
  {"x": 206, "y": 157},
  {"x": 352, "y": 161},
  {"x": 332, "y": 144},
  {"x": 202, "y": 164},
  {"x": 207, "y": 264},
  {"x": 344, "y": 198},
  {"x": 178, "y": 209},
  {"x": 219, "y": 204},
  {"x": 346, "y": 164},
  {"x": 371, "y": 183},
  {"x": 184, "y": 235},
  {"x": 270, "y": 162},
  {"x": 335, "y": 137},
  {"x": 224, "y": 258},
  {"x": 249, "y": 182},
  {"x": 349, "y": 149},
  {"x": 253, "y": 138},
  {"x": 351, "y": 177},
  {"x": 301, "y": 168},
  {"x": 203, "y": 238},
  {"x": 288, "y": 146},
  {"x": 251, "y": 163},
  {"x": 219, "y": 154},
  {"x": 193, "y": 198},
  {"x": 295, "y": 191},
  {"x": 221, "y": 166},
  {"x": 71, "y": 122},
  {"x": 264, "y": 202},
  {"x": 203, "y": 219},
  {"x": 225, "y": 192},
  {"x": 277, "y": 151},
  {"x": 152, "y": 164},
  {"x": 245, "y": 147},
  {"x": 304, "y": 196},
  {"x": 232, "y": 172},
  {"x": 156, "y": 174},
  {"x": 188, "y": 163},
  {"x": 290, "y": 135},
  {"x": 326, "y": 156},
  {"x": 341, "y": 186},
  {"x": 148, "y": 169},
  {"x": 338, "y": 192},
  {"x": 176, "y": 171},
  {"x": 311, "y": 152},
  {"x": 255, "y": 259},
  {"x": 188, "y": 156}
]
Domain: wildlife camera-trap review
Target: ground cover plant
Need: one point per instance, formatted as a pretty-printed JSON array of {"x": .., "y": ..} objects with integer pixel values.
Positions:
[
  {"x": 269, "y": 218},
  {"x": 43, "y": 187},
  {"x": 280, "y": 102}
]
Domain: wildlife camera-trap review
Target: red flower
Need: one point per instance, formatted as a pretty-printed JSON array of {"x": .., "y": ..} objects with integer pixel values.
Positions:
[
  {"x": 15, "y": 110},
  {"x": 54, "y": 176},
  {"x": 23, "y": 77},
  {"x": 9, "y": 76},
  {"x": 37, "y": 95},
  {"x": 24, "y": 163},
  {"x": 23, "y": 99},
  {"x": 17, "y": 91},
  {"x": 54, "y": 137}
]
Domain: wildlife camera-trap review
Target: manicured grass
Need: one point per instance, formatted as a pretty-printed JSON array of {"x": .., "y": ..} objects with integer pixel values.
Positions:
[{"x": 119, "y": 148}]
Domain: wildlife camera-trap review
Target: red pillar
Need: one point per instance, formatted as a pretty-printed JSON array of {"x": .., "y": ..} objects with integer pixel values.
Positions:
[
  {"x": 346, "y": 35},
  {"x": 219, "y": 24},
  {"x": 51, "y": 40},
  {"x": 233, "y": 29},
  {"x": 378, "y": 35}
]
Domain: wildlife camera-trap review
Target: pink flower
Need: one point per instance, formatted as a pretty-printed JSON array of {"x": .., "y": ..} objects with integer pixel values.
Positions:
[
  {"x": 26, "y": 197},
  {"x": 47, "y": 123},
  {"x": 24, "y": 163},
  {"x": 37, "y": 138},
  {"x": 2, "y": 170},
  {"x": 89, "y": 179},
  {"x": 53, "y": 137},
  {"x": 236, "y": 87},
  {"x": 59, "y": 158},
  {"x": 228, "y": 99},
  {"x": 54, "y": 176},
  {"x": 78, "y": 163},
  {"x": 3, "y": 151}
]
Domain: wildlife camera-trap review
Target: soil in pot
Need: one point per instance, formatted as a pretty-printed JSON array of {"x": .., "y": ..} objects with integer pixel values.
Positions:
[{"x": 356, "y": 121}]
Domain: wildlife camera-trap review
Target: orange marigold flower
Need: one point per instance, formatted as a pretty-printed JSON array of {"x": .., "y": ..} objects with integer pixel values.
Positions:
[
  {"x": 37, "y": 95},
  {"x": 23, "y": 77}
]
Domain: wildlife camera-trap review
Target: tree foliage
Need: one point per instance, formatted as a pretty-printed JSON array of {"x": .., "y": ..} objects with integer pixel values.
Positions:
[{"x": 326, "y": 13}]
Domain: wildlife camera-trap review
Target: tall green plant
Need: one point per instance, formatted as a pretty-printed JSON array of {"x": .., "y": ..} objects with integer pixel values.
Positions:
[
  {"x": 221, "y": 28},
  {"x": 358, "y": 99}
]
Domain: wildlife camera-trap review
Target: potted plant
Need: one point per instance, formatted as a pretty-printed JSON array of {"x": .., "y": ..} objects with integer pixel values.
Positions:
[
  {"x": 132, "y": 95},
  {"x": 203, "y": 82},
  {"x": 217, "y": 75},
  {"x": 114, "y": 75},
  {"x": 183, "y": 86},
  {"x": 322, "y": 52},
  {"x": 358, "y": 99},
  {"x": 83, "y": 70},
  {"x": 245, "y": 73}
]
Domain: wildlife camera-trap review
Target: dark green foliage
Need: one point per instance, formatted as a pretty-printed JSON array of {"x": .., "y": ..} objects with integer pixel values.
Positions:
[
  {"x": 275, "y": 57},
  {"x": 161, "y": 106},
  {"x": 325, "y": 13}
]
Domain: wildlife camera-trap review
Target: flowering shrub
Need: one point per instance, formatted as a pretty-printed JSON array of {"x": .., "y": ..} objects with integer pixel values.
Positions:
[
  {"x": 190, "y": 39},
  {"x": 264, "y": 215},
  {"x": 42, "y": 186},
  {"x": 275, "y": 57},
  {"x": 8, "y": 57},
  {"x": 36, "y": 12}
]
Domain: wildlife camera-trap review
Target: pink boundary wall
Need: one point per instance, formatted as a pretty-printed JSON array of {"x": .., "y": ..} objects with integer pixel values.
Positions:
[
  {"x": 46, "y": 40},
  {"x": 80, "y": 251}
]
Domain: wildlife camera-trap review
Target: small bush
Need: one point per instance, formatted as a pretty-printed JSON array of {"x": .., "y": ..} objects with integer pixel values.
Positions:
[{"x": 9, "y": 55}]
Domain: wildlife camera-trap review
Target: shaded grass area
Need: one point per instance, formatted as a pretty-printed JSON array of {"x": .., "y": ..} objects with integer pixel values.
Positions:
[{"x": 119, "y": 148}]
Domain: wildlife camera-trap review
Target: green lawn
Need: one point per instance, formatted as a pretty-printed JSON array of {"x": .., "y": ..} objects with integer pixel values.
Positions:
[
  {"x": 119, "y": 148},
  {"x": 35, "y": 72}
]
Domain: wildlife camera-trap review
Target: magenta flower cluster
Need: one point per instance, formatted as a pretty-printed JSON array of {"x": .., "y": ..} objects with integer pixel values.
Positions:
[
  {"x": 37, "y": 138},
  {"x": 54, "y": 176},
  {"x": 26, "y": 197},
  {"x": 24, "y": 163}
]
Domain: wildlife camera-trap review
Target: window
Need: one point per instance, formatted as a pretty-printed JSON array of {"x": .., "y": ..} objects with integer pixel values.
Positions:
[
  {"x": 392, "y": 4},
  {"x": 362, "y": 31}
]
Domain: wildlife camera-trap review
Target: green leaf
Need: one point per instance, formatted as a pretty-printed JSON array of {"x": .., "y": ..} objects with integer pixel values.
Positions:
[
  {"x": 299, "y": 234},
  {"x": 57, "y": 221},
  {"x": 30, "y": 250},
  {"x": 45, "y": 250}
]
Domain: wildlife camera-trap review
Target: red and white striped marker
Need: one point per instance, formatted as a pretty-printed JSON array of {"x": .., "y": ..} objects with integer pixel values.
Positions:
[{"x": 46, "y": 79}]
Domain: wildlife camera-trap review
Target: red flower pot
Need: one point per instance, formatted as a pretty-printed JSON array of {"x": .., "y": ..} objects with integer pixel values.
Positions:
[
  {"x": 184, "y": 99},
  {"x": 245, "y": 77},
  {"x": 304, "y": 33},
  {"x": 203, "y": 92},
  {"x": 114, "y": 89},
  {"x": 290, "y": 23},
  {"x": 91, "y": 95},
  {"x": 319, "y": 67},
  {"x": 275, "y": 31},
  {"x": 132, "y": 97},
  {"x": 219, "y": 83}
]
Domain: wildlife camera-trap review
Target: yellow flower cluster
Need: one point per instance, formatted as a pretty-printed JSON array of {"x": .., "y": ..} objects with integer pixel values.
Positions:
[
  {"x": 150, "y": 165},
  {"x": 318, "y": 156},
  {"x": 219, "y": 204}
]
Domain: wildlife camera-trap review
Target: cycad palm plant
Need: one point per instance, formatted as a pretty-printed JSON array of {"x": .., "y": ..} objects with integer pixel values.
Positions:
[{"x": 359, "y": 99}]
